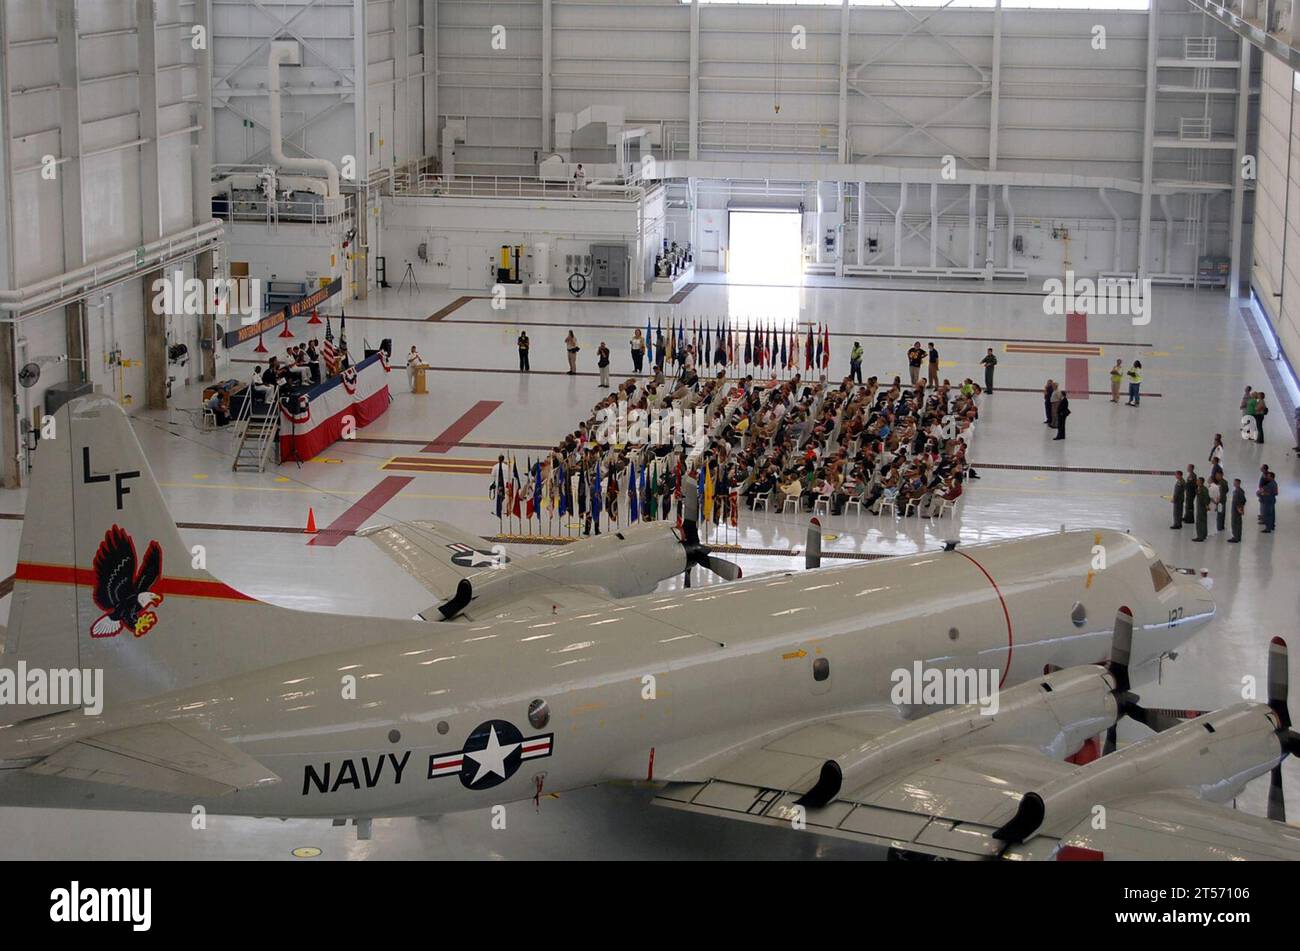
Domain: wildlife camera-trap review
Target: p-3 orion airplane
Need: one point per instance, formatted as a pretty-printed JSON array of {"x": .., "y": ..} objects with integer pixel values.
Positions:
[{"x": 730, "y": 695}]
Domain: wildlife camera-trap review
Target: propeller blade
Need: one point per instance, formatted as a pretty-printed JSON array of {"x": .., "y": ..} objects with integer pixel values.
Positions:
[
  {"x": 1157, "y": 718},
  {"x": 1279, "y": 678},
  {"x": 724, "y": 569},
  {"x": 1276, "y": 798},
  {"x": 1112, "y": 737},
  {"x": 1121, "y": 648},
  {"x": 812, "y": 555}
]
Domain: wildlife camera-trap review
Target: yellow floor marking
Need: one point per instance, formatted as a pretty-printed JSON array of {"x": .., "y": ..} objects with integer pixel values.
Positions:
[
  {"x": 306, "y": 852},
  {"x": 952, "y": 330},
  {"x": 1040, "y": 478},
  {"x": 795, "y": 655},
  {"x": 1125, "y": 481},
  {"x": 281, "y": 478},
  {"x": 323, "y": 459},
  {"x": 200, "y": 475},
  {"x": 948, "y": 363},
  {"x": 1159, "y": 353}
]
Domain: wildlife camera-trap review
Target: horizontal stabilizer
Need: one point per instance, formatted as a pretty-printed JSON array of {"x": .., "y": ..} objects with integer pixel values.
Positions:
[{"x": 176, "y": 758}]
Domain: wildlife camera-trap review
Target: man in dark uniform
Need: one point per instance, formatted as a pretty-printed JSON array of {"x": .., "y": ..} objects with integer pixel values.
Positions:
[
  {"x": 1238, "y": 510},
  {"x": 1062, "y": 411},
  {"x": 1048, "y": 389},
  {"x": 1268, "y": 502},
  {"x": 1189, "y": 501},
  {"x": 990, "y": 361},
  {"x": 523, "y": 343},
  {"x": 1202, "y": 504},
  {"x": 1180, "y": 491}
]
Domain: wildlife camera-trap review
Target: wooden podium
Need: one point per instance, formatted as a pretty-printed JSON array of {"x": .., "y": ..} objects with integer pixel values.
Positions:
[{"x": 421, "y": 384}]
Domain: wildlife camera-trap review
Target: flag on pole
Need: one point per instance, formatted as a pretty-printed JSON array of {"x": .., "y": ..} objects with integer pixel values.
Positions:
[
  {"x": 826, "y": 348},
  {"x": 749, "y": 350},
  {"x": 707, "y": 494},
  {"x": 633, "y": 508},
  {"x": 563, "y": 502},
  {"x": 649, "y": 343},
  {"x": 328, "y": 353},
  {"x": 654, "y": 493},
  {"x": 808, "y": 350},
  {"x": 500, "y": 487},
  {"x": 818, "y": 359},
  {"x": 595, "y": 497},
  {"x": 783, "y": 353},
  {"x": 536, "y": 503},
  {"x": 515, "y": 487}
]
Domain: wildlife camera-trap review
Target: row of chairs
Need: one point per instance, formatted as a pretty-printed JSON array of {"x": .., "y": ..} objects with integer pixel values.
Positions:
[{"x": 822, "y": 505}]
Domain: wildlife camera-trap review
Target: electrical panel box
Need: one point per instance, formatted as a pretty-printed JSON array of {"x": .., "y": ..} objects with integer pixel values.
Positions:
[{"x": 609, "y": 270}]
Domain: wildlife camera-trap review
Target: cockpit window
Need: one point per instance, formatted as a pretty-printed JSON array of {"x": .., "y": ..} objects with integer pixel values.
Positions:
[{"x": 1160, "y": 576}]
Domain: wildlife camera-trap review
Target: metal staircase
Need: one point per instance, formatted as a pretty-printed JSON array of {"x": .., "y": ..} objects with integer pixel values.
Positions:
[{"x": 259, "y": 431}]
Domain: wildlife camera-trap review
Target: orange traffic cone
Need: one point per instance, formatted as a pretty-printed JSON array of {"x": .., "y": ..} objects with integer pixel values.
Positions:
[
  {"x": 315, "y": 317},
  {"x": 286, "y": 332},
  {"x": 311, "y": 522},
  {"x": 261, "y": 347}
]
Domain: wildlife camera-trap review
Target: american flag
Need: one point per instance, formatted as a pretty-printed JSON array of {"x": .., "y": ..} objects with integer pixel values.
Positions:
[{"x": 328, "y": 353}]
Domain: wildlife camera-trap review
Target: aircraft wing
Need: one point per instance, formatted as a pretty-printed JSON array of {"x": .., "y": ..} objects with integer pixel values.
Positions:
[
  {"x": 948, "y": 801},
  {"x": 435, "y": 554},
  {"x": 173, "y": 757},
  {"x": 1171, "y": 825},
  {"x": 947, "y": 807}
]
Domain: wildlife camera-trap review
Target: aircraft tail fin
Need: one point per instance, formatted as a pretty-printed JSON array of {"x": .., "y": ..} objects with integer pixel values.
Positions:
[{"x": 105, "y": 582}]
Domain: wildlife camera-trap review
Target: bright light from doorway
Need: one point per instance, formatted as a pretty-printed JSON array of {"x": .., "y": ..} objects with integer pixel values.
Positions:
[{"x": 766, "y": 247}]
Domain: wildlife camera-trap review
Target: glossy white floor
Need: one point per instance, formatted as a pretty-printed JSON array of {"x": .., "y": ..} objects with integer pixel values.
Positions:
[{"x": 1198, "y": 354}]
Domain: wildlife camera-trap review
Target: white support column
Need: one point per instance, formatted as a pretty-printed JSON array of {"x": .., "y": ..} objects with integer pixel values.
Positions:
[
  {"x": 402, "y": 149},
  {"x": 844, "y": 82},
  {"x": 693, "y": 120},
  {"x": 1238, "y": 184},
  {"x": 359, "y": 121},
  {"x": 861, "y": 257},
  {"x": 74, "y": 248},
  {"x": 201, "y": 147},
  {"x": 1148, "y": 137},
  {"x": 972, "y": 225},
  {"x": 548, "y": 110},
  {"x": 430, "y": 46},
  {"x": 898, "y": 224},
  {"x": 10, "y": 470},
  {"x": 995, "y": 92},
  {"x": 146, "y": 25},
  {"x": 934, "y": 224}
]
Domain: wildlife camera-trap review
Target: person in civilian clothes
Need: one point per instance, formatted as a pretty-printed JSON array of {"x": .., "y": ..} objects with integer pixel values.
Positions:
[
  {"x": 1135, "y": 384},
  {"x": 1180, "y": 492},
  {"x": 1261, "y": 410},
  {"x": 914, "y": 357},
  {"x": 523, "y": 343},
  {"x": 1048, "y": 390},
  {"x": 1116, "y": 377},
  {"x": 602, "y": 364},
  {"x": 933, "y": 365},
  {"x": 1238, "y": 510},
  {"x": 1219, "y": 492},
  {"x": 638, "y": 350}
]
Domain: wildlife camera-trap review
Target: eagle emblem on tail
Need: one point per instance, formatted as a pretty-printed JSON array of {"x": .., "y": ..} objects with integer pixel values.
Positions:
[{"x": 122, "y": 586}]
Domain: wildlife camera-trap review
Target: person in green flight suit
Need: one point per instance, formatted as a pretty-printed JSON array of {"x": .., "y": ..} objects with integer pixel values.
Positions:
[
  {"x": 1180, "y": 493},
  {"x": 1238, "y": 510},
  {"x": 1202, "y": 510},
  {"x": 1189, "y": 502}
]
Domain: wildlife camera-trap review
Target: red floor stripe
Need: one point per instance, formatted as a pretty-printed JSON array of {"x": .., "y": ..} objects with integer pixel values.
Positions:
[
  {"x": 1076, "y": 368},
  {"x": 361, "y": 510},
  {"x": 458, "y": 430}
]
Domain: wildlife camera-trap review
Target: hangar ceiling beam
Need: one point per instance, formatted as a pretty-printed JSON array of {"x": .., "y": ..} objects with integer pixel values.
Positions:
[
  {"x": 1242, "y": 17},
  {"x": 430, "y": 47},
  {"x": 548, "y": 110},
  {"x": 844, "y": 83},
  {"x": 693, "y": 120}
]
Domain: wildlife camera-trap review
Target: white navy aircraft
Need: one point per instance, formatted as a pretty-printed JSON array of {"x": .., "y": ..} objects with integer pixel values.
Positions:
[{"x": 764, "y": 699}]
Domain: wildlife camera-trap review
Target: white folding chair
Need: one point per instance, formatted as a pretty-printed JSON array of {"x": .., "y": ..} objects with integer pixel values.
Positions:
[
  {"x": 887, "y": 504},
  {"x": 855, "y": 503},
  {"x": 791, "y": 501},
  {"x": 209, "y": 420},
  {"x": 822, "y": 503},
  {"x": 912, "y": 504},
  {"x": 764, "y": 499},
  {"x": 949, "y": 507}
]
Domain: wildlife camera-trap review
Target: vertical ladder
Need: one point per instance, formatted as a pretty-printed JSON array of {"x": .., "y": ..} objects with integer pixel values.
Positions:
[{"x": 259, "y": 433}]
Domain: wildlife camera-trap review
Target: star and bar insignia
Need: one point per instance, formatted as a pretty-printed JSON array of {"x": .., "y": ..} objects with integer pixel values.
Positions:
[{"x": 491, "y": 755}]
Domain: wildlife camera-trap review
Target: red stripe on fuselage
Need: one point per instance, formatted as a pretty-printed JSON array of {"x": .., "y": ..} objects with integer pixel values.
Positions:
[
  {"x": 179, "y": 587},
  {"x": 1011, "y": 641}
]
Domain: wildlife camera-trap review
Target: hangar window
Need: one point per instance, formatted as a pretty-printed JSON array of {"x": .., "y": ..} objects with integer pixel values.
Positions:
[
  {"x": 539, "y": 714},
  {"x": 1160, "y": 576},
  {"x": 821, "y": 669}
]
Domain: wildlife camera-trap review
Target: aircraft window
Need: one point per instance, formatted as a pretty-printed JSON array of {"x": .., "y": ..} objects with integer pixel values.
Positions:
[
  {"x": 443, "y": 727},
  {"x": 953, "y": 633},
  {"x": 1160, "y": 576},
  {"x": 394, "y": 736},
  {"x": 1079, "y": 614},
  {"x": 821, "y": 669},
  {"x": 539, "y": 714}
]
